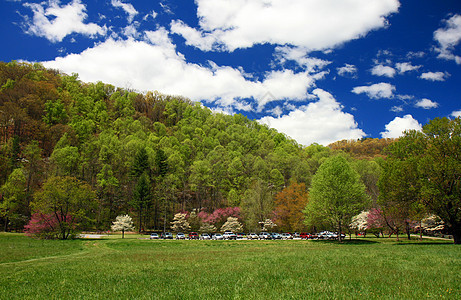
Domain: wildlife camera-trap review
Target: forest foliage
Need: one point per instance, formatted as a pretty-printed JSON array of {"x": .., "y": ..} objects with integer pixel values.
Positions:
[{"x": 152, "y": 156}]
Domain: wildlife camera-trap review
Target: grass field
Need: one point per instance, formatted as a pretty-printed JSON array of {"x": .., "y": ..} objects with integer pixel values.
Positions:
[{"x": 143, "y": 269}]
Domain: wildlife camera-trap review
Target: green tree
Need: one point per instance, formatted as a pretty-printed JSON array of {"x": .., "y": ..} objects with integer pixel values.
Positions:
[
  {"x": 142, "y": 199},
  {"x": 13, "y": 205},
  {"x": 69, "y": 201},
  {"x": 336, "y": 195},
  {"x": 436, "y": 152}
]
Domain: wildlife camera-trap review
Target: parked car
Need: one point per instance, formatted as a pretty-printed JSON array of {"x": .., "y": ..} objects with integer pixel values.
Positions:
[
  {"x": 154, "y": 236},
  {"x": 166, "y": 236},
  {"x": 205, "y": 236},
  {"x": 217, "y": 236},
  {"x": 276, "y": 236},
  {"x": 193, "y": 236},
  {"x": 286, "y": 236},
  {"x": 241, "y": 236},
  {"x": 180, "y": 236},
  {"x": 304, "y": 235},
  {"x": 229, "y": 235},
  {"x": 265, "y": 236},
  {"x": 327, "y": 235},
  {"x": 253, "y": 236},
  {"x": 296, "y": 236}
]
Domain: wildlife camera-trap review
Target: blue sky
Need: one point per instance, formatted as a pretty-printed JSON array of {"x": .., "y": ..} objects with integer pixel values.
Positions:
[{"x": 317, "y": 70}]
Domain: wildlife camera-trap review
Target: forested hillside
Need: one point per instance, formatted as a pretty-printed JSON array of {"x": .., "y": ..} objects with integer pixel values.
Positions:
[{"x": 147, "y": 154}]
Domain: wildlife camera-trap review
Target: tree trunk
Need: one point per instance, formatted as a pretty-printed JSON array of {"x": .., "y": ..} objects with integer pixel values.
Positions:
[
  {"x": 339, "y": 233},
  {"x": 123, "y": 233},
  {"x": 456, "y": 232}
]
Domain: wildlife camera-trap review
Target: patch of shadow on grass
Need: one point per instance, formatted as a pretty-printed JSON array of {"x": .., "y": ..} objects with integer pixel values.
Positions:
[
  {"x": 416, "y": 243},
  {"x": 347, "y": 242}
]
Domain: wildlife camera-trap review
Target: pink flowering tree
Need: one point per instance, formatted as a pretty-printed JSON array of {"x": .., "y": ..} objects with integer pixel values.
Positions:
[
  {"x": 46, "y": 226},
  {"x": 376, "y": 222},
  {"x": 209, "y": 222}
]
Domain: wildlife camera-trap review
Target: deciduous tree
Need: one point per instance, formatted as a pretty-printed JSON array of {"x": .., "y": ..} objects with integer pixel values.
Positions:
[
  {"x": 336, "y": 195},
  {"x": 70, "y": 202}
]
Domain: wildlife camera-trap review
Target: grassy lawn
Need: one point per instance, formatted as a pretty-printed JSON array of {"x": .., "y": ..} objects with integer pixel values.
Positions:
[{"x": 144, "y": 269}]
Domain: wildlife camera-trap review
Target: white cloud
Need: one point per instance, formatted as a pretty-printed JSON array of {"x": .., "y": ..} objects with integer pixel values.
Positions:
[
  {"x": 435, "y": 76},
  {"x": 153, "y": 14},
  {"x": 397, "y": 126},
  {"x": 426, "y": 104},
  {"x": 406, "y": 67},
  {"x": 276, "y": 111},
  {"x": 376, "y": 91},
  {"x": 448, "y": 38},
  {"x": 127, "y": 7},
  {"x": 55, "y": 22},
  {"x": 456, "y": 114},
  {"x": 347, "y": 70},
  {"x": 301, "y": 57},
  {"x": 322, "y": 122},
  {"x": 154, "y": 64},
  {"x": 311, "y": 24},
  {"x": 381, "y": 70},
  {"x": 397, "y": 109},
  {"x": 193, "y": 37}
]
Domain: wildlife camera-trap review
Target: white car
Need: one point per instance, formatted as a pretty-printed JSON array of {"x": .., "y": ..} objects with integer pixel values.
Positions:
[
  {"x": 253, "y": 236},
  {"x": 286, "y": 236},
  {"x": 229, "y": 235},
  {"x": 154, "y": 236},
  {"x": 204, "y": 236},
  {"x": 180, "y": 236},
  {"x": 265, "y": 236},
  {"x": 217, "y": 236}
]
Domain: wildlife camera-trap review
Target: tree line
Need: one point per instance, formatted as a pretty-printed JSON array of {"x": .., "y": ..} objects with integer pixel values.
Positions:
[{"x": 107, "y": 151}]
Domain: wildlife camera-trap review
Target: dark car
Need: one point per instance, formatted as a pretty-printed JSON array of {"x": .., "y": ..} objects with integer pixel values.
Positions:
[
  {"x": 166, "y": 236},
  {"x": 193, "y": 236}
]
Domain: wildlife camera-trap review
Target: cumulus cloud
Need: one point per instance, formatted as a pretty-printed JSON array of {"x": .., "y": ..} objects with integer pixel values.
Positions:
[
  {"x": 376, "y": 91},
  {"x": 193, "y": 37},
  {"x": 347, "y": 70},
  {"x": 142, "y": 64},
  {"x": 322, "y": 121},
  {"x": 127, "y": 7},
  {"x": 396, "y": 127},
  {"x": 426, "y": 104},
  {"x": 456, "y": 114},
  {"x": 301, "y": 57},
  {"x": 312, "y": 24},
  {"x": 448, "y": 38},
  {"x": 435, "y": 76},
  {"x": 406, "y": 67},
  {"x": 381, "y": 70},
  {"x": 54, "y": 22}
]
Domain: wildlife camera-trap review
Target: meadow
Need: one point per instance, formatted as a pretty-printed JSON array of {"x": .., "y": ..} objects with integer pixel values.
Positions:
[{"x": 134, "y": 268}]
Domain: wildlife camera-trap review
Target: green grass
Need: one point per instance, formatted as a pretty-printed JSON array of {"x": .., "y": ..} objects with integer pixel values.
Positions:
[{"x": 145, "y": 269}]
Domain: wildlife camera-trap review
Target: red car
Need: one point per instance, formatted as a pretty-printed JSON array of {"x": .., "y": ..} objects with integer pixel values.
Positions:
[
  {"x": 193, "y": 236},
  {"x": 304, "y": 235}
]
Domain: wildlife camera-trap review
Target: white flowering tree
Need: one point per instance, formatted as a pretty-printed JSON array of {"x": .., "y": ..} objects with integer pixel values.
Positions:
[
  {"x": 360, "y": 222},
  {"x": 180, "y": 223},
  {"x": 267, "y": 225},
  {"x": 232, "y": 224},
  {"x": 122, "y": 223},
  {"x": 207, "y": 227}
]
